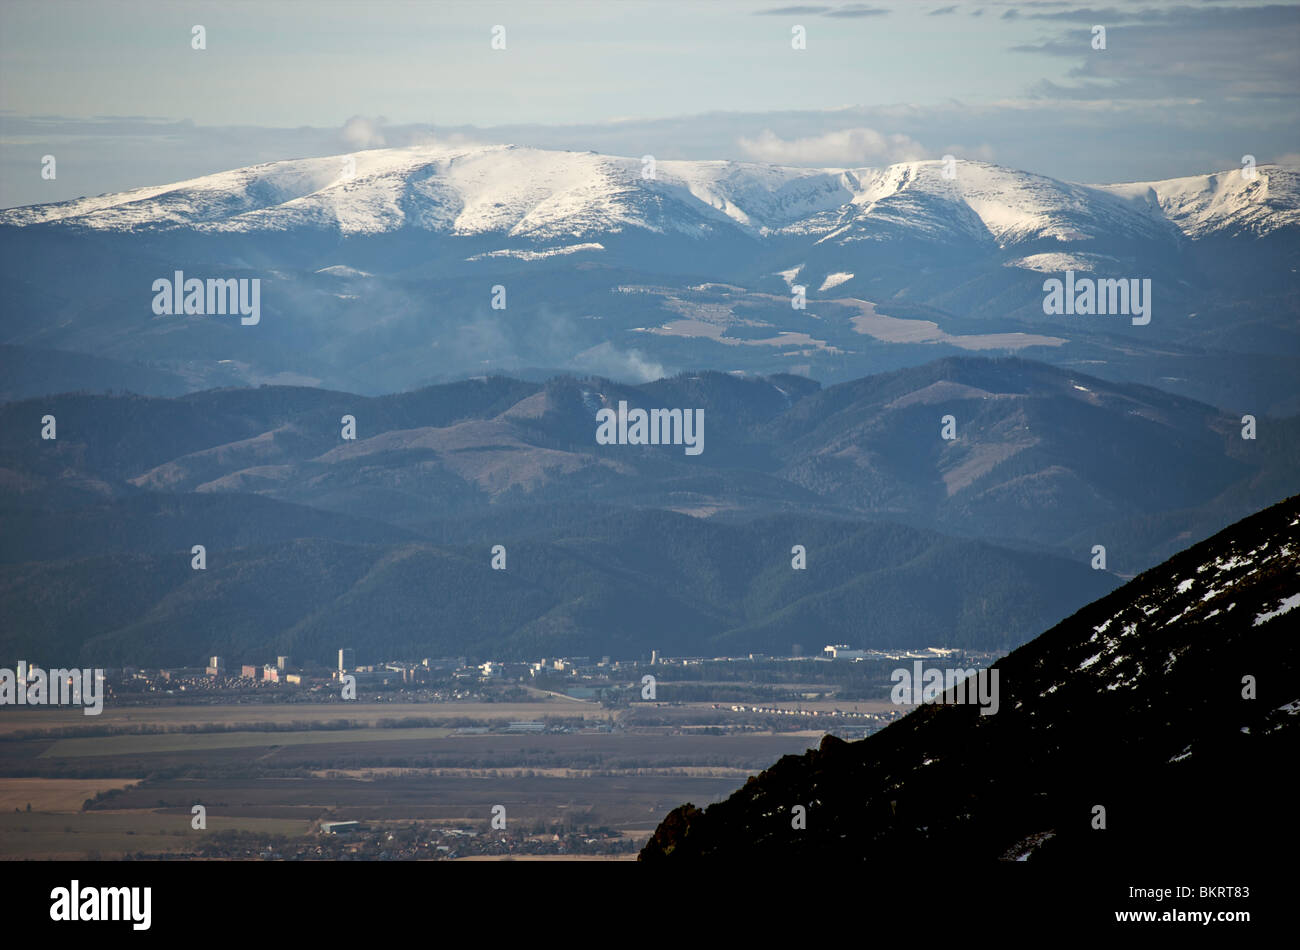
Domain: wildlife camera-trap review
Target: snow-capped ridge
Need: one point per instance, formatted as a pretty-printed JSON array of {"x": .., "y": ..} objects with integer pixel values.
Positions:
[{"x": 546, "y": 198}]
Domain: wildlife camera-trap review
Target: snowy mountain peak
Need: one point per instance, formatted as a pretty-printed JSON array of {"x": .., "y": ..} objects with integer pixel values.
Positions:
[
  {"x": 544, "y": 196},
  {"x": 1231, "y": 201}
]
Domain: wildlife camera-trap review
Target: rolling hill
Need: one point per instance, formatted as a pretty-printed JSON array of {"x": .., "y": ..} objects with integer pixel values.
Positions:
[{"x": 912, "y": 539}]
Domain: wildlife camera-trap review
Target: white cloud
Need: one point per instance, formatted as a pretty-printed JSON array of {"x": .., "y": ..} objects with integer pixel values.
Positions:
[
  {"x": 860, "y": 146},
  {"x": 362, "y": 132}
]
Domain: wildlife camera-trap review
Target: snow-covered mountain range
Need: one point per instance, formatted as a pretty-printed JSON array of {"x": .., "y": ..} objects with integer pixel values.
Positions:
[
  {"x": 375, "y": 271},
  {"x": 556, "y": 197}
]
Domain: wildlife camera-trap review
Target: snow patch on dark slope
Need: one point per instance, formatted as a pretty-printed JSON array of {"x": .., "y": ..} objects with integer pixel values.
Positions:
[{"x": 1171, "y": 703}]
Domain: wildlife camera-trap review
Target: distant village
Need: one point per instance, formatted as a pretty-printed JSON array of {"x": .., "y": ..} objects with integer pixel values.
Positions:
[{"x": 457, "y": 679}]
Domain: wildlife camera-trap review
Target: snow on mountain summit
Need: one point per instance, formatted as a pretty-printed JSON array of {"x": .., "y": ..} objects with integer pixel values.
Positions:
[
  {"x": 545, "y": 197},
  {"x": 513, "y": 191},
  {"x": 1230, "y": 201}
]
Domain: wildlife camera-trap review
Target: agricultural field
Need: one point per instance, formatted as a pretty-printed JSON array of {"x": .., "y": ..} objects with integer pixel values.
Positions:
[
  {"x": 55, "y": 718},
  {"x": 591, "y": 785},
  {"x": 144, "y": 745},
  {"x": 53, "y": 794},
  {"x": 109, "y": 835}
]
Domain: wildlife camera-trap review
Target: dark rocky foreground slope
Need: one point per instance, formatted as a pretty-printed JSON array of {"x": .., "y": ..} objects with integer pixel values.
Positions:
[{"x": 1137, "y": 703}]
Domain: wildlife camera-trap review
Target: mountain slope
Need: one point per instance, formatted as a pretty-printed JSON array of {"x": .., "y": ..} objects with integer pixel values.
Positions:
[
  {"x": 911, "y": 539},
  {"x": 620, "y": 585},
  {"x": 1221, "y": 204},
  {"x": 1036, "y": 451},
  {"x": 1135, "y": 704},
  {"x": 1042, "y": 457},
  {"x": 556, "y": 196},
  {"x": 389, "y": 269}
]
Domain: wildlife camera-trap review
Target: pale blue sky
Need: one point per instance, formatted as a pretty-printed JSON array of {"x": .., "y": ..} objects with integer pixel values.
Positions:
[{"x": 1180, "y": 89}]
